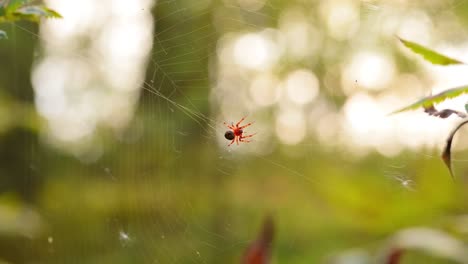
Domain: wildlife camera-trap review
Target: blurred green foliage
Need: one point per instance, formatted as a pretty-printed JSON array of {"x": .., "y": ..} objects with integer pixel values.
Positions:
[
  {"x": 172, "y": 196},
  {"x": 16, "y": 10},
  {"x": 429, "y": 55}
]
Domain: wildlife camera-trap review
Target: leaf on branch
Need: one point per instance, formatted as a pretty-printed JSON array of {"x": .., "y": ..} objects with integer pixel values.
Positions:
[
  {"x": 3, "y": 35},
  {"x": 447, "y": 153},
  {"x": 12, "y": 5},
  {"x": 444, "y": 113},
  {"x": 35, "y": 12},
  {"x": 259, "y": 251},
  {"x": 428, "y": 54},
  {"x": 429, "y": 101}
]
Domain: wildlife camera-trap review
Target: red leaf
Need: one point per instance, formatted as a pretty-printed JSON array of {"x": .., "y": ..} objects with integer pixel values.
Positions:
[
  {"x": 395, "y": 256},
  {"x": 259, "y": 252}
]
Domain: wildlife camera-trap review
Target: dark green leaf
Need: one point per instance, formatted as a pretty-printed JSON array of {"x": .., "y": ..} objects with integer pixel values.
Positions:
[
  {"x": 428, "y": 54},
  {"x": 446, "y": 154},
  {"x": 3, "y": 35},
  {"x": 429, "y": 101}
]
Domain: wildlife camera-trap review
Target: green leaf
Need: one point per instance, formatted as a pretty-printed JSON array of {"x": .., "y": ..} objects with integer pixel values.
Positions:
[
  {"x": 430, "y": 55},
  {"x": 35, "y": 12},
  {"x": 447, "y": 154},
  {"x": 434, "y": 99},
  {"x": 25, "y": 10},
  {"x": 15, "y": 4},
  {"x": 3, "y": 35}
]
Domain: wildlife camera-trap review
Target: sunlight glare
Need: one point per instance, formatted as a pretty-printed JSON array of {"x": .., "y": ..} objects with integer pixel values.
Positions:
[
  {"x": 290, "y": 127},
  {"x": 255, "y": 51},
  {"x": 264, "y": 89},
  {"x": 124, "y": 42},
  {"x": 369, "y": 70},
  {"x": 79, "y": 87},
  {"x": 415, "y": 25},
  {"x": 78, "y": 18},
  {"x": 342, "y": 18},
  {"x": 123, "y": 8},
  {"x": 302, "y": 86},
  {"x": 301, "y": 38}
]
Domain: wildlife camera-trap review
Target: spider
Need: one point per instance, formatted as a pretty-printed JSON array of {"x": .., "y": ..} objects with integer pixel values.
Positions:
[{"x": 236, "y": 132}]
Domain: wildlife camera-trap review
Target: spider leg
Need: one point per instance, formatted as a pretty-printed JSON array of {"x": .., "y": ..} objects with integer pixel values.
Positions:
[
  {"x": 232, "y": 142},
  {"x": 242, "y": 138},
  {"x": 249, "y": 136},
  {"x": 246, "y": 125},
  {"x": 240, "y": 121},
  {"x": 237, "y": 140},
  {"x": 226, "y": 124}
]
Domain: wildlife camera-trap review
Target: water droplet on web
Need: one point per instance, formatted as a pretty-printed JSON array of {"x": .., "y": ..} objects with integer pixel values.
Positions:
[
  {"x": 50, "y": 240},
  {"x": 408, "y": 184},
  {"x": 124, "y": 238}
]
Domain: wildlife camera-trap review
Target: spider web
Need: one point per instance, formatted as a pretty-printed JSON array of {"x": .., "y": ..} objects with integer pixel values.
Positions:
[
  {"x": 186, "y": 49},
  {"x": 179, "y": 90}
]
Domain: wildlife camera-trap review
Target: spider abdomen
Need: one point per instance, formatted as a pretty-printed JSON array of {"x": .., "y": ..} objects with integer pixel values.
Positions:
[{"x": 229, "y": 135}]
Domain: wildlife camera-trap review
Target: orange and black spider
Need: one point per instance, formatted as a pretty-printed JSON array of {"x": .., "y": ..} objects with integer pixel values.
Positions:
[{"x": 236, "y": 133}]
